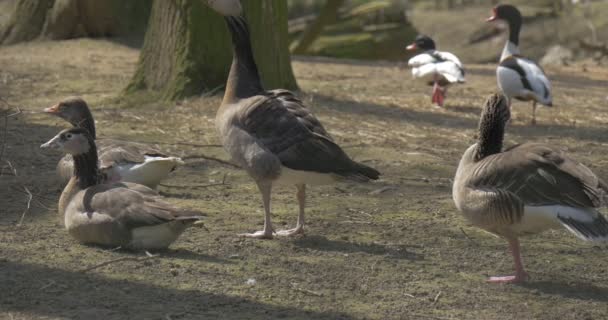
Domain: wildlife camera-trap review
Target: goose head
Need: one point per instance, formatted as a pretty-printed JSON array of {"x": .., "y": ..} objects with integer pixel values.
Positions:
[
  {"x": 507, "y": 13},
  {"x": 226, "y": 7},
  {"x": 422, "y": 42},
  {"x": 75, "y": 111},
  {"x": 75, "y": 141}
]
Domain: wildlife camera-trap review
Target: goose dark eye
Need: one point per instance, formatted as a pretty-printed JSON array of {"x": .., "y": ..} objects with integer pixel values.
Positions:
[{"x": 68, "y": 136}]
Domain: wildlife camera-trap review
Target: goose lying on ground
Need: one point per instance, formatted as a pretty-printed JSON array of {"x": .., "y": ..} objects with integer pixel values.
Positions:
[
  {"x": 519, "y": 77},
  {"x": 525, "y": 189},
  {"x": 121, "y": 160},
  {"x": 124, "y": 215},
  {"x": 274, "y": 137},
  {"x": 437, "y": 68}
]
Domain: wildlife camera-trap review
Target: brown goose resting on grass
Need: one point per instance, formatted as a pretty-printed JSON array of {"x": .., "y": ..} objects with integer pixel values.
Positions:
[
  {"x": 120, "y": 160},
  {"x": 525, "y": 189},
  {"x": 123, "y": 215},
  {"x": 274, "y": 137}
]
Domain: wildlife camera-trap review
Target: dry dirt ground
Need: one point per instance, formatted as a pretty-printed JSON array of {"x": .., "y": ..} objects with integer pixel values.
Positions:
[{"x": 393, "y": 249}]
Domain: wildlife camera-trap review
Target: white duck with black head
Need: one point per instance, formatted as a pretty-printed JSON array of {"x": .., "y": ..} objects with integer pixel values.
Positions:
[
  {"x": 126, "y": 215},
  {"x": 273, "y": 135},
  {"x": 437, "y": 68},
  {"x": 518, "y": 77}
]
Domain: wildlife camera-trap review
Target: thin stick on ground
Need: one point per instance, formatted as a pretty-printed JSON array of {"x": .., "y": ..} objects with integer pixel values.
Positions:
[
  {"x": 467, "y": 236},
  {"x": 30, "y": 196},
  {"x": 195, "y": 186},
  {"x": 109, "y": 262},
  {"x": 202, "y": 156}
]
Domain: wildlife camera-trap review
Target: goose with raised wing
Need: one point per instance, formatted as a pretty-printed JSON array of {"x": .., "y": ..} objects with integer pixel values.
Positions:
[
  {"x": 519, "y": 77},
  {"x": 275, "y": 137},
  {"x": 123, "y": 215},
  {"x": 437, "y": 68},
  {"x": 121, "y": 160},
  {"x": 525, "y": 189}
]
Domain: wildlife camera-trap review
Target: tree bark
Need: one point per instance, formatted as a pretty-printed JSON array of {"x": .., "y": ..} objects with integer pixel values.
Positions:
[
  {"x": 328, "y": 15},
  {"x": 187, "y": 48},
  {"x": 26, "y": 21},
  {"x": 65, "y": 19},
  {"x": 270, "y": 40}
]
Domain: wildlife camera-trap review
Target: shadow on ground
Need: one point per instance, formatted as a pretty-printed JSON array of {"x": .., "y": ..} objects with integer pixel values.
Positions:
[{"x": 86, "y": 296}]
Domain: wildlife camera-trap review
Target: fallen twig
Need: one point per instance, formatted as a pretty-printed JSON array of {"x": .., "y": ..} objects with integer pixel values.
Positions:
[
  {"x": 5, "y": 133},
  {"x": 467, "y": 236},
  {"x": 138, "y": 259},
  {"x": 27, "y": 208},
  {"x": 202, "y": 156},
  {"x": 200, "y": 186},
  {"x": 30, "y": 196},
  {"x": 437, "y": 297}
]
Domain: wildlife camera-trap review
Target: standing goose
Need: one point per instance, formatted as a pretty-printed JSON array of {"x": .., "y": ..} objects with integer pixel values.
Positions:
[
  {"x": 437, "y": 68},
  {"x": 519, "y": 77},
  {"x": 113, "y": 214},
  {"x": 274, "y": 137},
  {"x": 122, "y": 161},
  {"x": 525, "y": 189}
]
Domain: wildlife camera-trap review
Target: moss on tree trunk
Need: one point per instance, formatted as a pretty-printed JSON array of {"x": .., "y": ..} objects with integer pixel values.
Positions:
[
  {"x": 328, "y": 15},
  {"x": 187, "y": 48},
  {"x": 65, "y": 19},
  {"x": 26, "y": 21},
  {"x": 270, "y": 40}
]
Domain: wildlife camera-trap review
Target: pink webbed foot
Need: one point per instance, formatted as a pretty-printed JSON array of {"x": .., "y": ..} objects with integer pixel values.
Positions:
[
  {"x": 257, "y": 235},
  {"x": 518, "y": 278},
  {"x": 291, "y": 232}
]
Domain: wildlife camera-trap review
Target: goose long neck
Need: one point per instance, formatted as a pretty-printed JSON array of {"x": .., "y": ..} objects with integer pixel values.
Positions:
[
  {"x": 244, "y": 78},
  {"x": 491, "y": 134},
  {"x": 86, "y": 122},
  {"x": 86, "y": 167}
]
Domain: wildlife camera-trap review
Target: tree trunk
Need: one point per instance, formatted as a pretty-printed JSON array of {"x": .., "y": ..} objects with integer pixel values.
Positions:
[
  {"x": 26, "y": 21},
  {"x": 187, "y": 48},
  {"x": 65, "y": 19},
  {"x": 270, "y": 40},
  {"x": 328, "y": 15}
]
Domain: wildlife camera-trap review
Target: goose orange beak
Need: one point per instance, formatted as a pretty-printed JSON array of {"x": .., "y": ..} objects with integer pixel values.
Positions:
[
  {"x": 53, "y": 109},
  {"x": 411, "y": 47}
]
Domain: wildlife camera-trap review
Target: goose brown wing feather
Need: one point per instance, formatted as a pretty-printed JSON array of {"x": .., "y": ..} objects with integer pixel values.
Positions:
[
  {"x": 288, "y": 129},
  {"x": 540, "y": 175},
  {"x": 132, "y": 205},
  {"x": 119, "y": 152}
]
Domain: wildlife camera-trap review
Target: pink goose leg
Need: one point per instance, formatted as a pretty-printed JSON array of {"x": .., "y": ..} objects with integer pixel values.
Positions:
[{"x": 520, "y": 273}]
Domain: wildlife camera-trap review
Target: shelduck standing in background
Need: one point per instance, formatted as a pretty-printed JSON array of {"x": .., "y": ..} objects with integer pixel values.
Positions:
[
  {"x": 438, "y": 68},
  {"x": 519, "y": 77}
]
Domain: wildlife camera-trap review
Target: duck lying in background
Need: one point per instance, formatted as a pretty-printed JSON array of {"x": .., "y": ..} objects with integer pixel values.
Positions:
[
  {"x": 274, "y": 137},
  {"x": 525, "y": 189},
  {"x": 124, "y": 215},
  {"x": 519, "y": 77},
  {"x": 437, "y": 68},
  {"x": 120, "y": 160}
]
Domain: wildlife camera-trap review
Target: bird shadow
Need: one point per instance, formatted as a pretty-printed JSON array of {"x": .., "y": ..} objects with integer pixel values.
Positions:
[
  {"x": 324, "y": 244},
  {"x": 581, "y": 291},
  {"x": 46, "y": 292}
]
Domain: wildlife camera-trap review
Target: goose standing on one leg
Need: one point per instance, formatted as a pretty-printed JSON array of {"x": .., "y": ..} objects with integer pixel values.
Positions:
[
  {"x": 123, "y": 161},
  {"x": 525, "y": 189},
  {"x": 518, "y": 77},
  {"x": 437, "y": 68},
  {"x": 274, "y": 137},
  {"x": 113, "y": 214}
]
